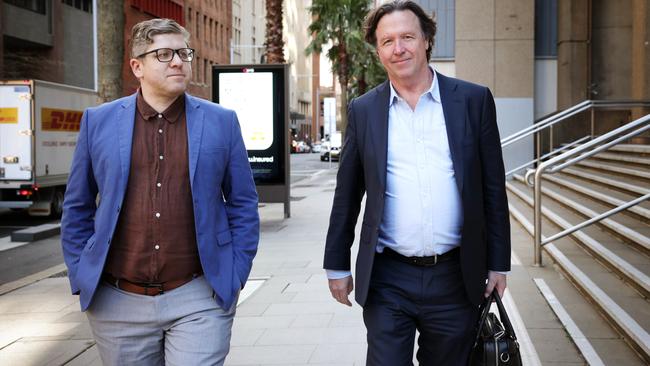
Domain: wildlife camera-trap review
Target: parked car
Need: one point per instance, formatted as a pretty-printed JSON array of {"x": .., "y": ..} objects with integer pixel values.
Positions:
[
  {"x": 316, "y": 148},
  {"x": 335, "y": 152},
  {"x": 299, "y": 147}
]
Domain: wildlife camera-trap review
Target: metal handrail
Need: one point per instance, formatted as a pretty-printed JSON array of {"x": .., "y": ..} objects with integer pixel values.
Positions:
[
  {"x": 572, "y": 157},
  {"x": 551, "y": 120},
  {"x": 547, "y": 155},
  {"x": 569, "y": 112}
]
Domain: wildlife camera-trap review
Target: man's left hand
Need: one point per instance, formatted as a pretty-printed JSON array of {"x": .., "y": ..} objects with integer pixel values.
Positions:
[{"x": 497, "y": 280}]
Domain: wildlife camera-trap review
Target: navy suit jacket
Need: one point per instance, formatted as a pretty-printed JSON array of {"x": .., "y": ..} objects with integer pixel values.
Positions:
[
  {"x": 470, "y": 118},
  {"x": 223, "y": 192}
]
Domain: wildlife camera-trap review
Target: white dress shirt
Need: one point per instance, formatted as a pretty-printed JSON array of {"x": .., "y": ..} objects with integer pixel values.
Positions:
[{"x": 423, "y": 210}]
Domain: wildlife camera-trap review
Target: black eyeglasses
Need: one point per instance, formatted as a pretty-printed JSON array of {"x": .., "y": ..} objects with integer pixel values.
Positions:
[{"x": 167, "y": 54}]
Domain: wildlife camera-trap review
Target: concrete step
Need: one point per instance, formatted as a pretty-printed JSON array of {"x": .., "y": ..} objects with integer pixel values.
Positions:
[
  {"x": 643, "y": 150},
  {"x": 625, "y": 228},
  {"x": 622, "y": 307},
  {"x": 610, "y": 198},
  {"x": 631, "y": 148},
  {"x": 608, "y": 253},
  {"x": 624, "y": 158},
  {"x": 628, "y": 186},
  {"x": 639, "y": 173}
]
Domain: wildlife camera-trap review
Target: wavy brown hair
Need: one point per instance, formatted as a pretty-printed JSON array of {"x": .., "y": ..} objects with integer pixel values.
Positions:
[{"x": 427, "y": 24}]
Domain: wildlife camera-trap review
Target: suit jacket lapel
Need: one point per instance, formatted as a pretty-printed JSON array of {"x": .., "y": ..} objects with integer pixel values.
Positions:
[
  {"x": 379, "y": 127},
  {"x": 194, "y": 121},
  {"x": 125, "y": 121},
  {"x": 453, "y": 106}
]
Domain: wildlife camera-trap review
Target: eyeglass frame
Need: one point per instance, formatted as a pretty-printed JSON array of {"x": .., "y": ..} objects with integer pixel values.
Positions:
[{"x": 174, "y": 52}]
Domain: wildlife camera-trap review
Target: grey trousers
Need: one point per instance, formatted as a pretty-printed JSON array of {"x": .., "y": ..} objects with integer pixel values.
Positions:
[{"x": 184, "y": 326}]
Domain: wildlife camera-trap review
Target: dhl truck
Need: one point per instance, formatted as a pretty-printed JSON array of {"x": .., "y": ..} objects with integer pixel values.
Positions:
[{"x": 39, "y": 124}]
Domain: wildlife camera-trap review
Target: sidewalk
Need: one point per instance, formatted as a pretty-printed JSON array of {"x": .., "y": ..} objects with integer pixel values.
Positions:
[{"x": 290, "y": 319}]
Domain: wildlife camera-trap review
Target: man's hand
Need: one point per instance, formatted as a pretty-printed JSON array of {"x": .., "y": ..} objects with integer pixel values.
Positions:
[
  {"x": 341, "y": 288},
  {"x": 495, "y": 279}
]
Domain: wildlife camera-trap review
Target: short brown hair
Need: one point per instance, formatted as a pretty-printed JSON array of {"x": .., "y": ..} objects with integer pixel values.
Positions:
[
  {"x": 142, "y": 33},
  {"x": 427, "y": 24}
]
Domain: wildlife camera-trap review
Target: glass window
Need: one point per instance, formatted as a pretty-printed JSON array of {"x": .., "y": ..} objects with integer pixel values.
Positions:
[
  {"x": 37, "y": 6},
  {"x": 445, "y": 16},
  {"x": 546, "y": 28}
]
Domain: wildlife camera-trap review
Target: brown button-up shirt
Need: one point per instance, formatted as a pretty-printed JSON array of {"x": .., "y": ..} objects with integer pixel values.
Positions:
[{"x": 155, "y": 241}]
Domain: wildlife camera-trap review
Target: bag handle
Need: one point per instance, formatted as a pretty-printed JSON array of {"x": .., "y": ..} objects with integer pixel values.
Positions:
[
  {"x": 503, "y": 315},
  {"x": 485, "y": 310}
]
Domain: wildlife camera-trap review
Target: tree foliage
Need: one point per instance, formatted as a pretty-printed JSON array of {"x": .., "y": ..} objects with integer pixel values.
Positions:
[{"x": 340, "y": 24}]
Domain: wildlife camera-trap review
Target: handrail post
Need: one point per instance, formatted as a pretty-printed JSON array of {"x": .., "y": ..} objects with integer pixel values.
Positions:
[
  {"x": 537, "y": 217},
  {"x": 592, "y": 130},
  {"x": 550, "y": 138},
  {"x": 538, "y": 147}
]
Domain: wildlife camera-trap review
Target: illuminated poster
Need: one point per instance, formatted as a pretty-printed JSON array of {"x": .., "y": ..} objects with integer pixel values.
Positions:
[{"x": 251, "y": 96}]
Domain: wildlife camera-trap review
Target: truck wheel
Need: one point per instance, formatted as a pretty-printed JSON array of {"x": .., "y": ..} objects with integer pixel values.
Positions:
[{"x": 56, "y": 208}]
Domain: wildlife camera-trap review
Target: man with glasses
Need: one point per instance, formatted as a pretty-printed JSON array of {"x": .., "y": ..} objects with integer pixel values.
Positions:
[{"x": 159, "y": 259}]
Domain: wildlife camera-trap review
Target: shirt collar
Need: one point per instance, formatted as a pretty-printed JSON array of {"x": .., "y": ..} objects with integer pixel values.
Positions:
[
  {"x": 171, "y": 114},
  {"x": 433, "y": 90}
]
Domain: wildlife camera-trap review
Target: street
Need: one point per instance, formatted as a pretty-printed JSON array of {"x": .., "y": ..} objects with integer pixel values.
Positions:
[{"x": 28, "y": 258}]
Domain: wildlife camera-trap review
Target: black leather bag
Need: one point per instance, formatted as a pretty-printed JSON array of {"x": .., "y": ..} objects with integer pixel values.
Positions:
[{"x": 496, "y": 342}]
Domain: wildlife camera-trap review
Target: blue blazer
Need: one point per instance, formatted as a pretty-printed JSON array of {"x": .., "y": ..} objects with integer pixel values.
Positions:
[
  {"x": 225, "y": 199},
  {"x": 470, "y": 118}
]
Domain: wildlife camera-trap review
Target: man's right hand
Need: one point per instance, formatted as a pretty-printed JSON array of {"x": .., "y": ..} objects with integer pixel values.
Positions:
[{"x": 341, "y": 288}]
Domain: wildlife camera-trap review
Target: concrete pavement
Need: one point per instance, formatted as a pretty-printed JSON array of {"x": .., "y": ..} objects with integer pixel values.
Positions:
[{"x": 289, "y": 319}]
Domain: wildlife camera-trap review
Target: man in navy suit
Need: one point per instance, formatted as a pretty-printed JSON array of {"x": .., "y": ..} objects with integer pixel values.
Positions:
[
  {"x": 435, "y": 237},
  {"x": 160, "y": 222}
]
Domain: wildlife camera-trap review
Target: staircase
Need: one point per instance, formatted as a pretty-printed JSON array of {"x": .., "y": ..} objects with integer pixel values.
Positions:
[{"x": 608, "y": 263}]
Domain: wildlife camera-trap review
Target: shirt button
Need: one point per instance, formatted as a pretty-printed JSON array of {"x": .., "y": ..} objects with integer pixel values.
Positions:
[
  {"x": 158, "y": 185},
  {"x": 160, "y": 130},
  {"x": 156, "y": 247},
  {"x": 160, "y": 157},
  {"x": 157, "y": 214},
  {"x": 159, "y": 115}
]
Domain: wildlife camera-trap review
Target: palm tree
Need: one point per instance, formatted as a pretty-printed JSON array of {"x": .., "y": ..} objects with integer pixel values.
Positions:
[
  {"x": 274, "y": 42},
  {"x": 110, "y": 50},
  {"x": 340, "y": 23}
]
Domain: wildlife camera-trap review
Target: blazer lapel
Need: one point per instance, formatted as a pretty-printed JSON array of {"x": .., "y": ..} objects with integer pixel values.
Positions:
[
  {"x": 194, "y": 121},
  {"x": 379, "y": 127},
  {"x": 453, "y": 106},
  {"x": 125, "y": 121}
]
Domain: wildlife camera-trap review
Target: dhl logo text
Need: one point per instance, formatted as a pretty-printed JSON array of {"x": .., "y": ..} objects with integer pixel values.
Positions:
[
  {"x": 60, "y": 120},
  {"x": 8, "y": 115}
]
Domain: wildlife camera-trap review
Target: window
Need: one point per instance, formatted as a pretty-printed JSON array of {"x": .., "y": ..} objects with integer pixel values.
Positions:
[
  {"x": 211, "y": 33},
  {"x": 205, "y": 28},
  {"x": 546, "y": 28},
  {"x": 37, "y": 6},
  {"x": 198, "y": 24},
  {"x": 188, "y": 20},
  {"x": 445, "y": 16},
  {"x": 205, "y": 71},
  {"x": 199, "y": 74}
]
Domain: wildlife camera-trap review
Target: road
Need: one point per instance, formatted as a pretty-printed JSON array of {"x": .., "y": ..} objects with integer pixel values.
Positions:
[{"x": 21, "y": 261}]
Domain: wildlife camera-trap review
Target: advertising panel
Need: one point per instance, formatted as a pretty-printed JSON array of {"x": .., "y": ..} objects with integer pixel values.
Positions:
[{"x": 257, "y": 94}]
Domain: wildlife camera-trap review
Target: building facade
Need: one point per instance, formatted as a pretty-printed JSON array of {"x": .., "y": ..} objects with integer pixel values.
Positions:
[
  {"x": 248, "y": 24},
  {"x": 48, "y": 40},
  {"x": 541, "y": 56},
  {"x": 296, "y": 20},
  {"x": 210, "y": 24}
]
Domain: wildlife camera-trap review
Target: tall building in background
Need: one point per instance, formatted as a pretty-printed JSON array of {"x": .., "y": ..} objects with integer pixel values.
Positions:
[
  {"x": 296, "y": 20},
  {"x": 210, "y": 23},
  {"x": 248, "y": 26},
  {"x": 48, "y": 40}
]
